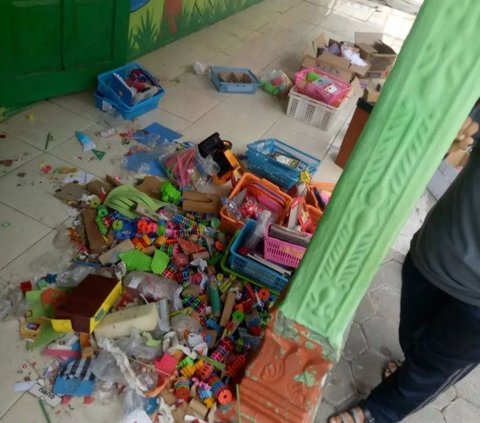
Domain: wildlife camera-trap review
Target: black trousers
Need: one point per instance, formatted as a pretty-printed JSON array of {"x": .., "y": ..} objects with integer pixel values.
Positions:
[{"x": 440, "y": 338}]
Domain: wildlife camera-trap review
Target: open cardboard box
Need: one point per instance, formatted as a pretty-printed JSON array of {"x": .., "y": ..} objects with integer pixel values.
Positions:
[
  {"x": 379, "y": 55},
  {"x": 335, "y": 65}
]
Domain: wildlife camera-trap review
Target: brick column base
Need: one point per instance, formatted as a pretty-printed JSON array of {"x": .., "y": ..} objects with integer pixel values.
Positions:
[{"x": 284, "y": 381}]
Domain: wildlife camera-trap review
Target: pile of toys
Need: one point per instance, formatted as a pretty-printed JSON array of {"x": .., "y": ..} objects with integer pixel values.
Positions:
[{"x": 169, "y": 289}]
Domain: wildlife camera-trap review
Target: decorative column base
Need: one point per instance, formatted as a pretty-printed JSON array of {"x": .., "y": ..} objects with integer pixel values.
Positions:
[{"x": 284, "y": 382}]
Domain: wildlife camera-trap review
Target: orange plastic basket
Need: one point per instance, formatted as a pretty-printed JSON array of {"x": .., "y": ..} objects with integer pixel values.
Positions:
[
  {"x": 310, "y": 197},
  {"x": 229, "y": 224}
]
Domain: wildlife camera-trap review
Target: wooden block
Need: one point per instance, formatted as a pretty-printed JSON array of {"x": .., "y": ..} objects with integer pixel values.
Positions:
[
  {"x": 97, "y": 243},
  {"x": 197, "y": 409},
  {"x": 111, "y": 256},
  {"x": 201, "y": 202},
  {"x": 228, "y": 307},
  {"x": 179, "y": 412},
  {"x": 169, "y": 397}
]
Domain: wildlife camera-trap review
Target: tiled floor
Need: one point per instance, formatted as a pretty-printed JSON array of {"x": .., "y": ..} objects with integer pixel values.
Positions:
[{"x": 272, "y": 34}]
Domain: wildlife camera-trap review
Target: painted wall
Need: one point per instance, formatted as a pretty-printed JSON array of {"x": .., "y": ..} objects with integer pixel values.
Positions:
[{"x": 154, "y": 23}]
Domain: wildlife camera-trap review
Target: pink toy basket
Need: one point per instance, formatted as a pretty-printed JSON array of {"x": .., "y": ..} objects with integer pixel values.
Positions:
[
  {"x": 326, "y": 88},
  {"x": 282, "y": 252}
]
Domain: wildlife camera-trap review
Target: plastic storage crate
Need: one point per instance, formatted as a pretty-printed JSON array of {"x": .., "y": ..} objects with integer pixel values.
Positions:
[
  {"x": 248, "y": 181},
  {"x": 227, "y": 271},
  {"x": 257, "y": 272},
  {"x": 234, "y": 80},
  {"x": 262, "y": 161},
  {"x": 107, "y": 94},
  {"x": 282, "y": 252},
  {"x": 311, "y": 111}
]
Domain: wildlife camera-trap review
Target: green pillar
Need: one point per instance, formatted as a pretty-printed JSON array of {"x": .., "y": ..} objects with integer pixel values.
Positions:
[{"x": 425, "y": 100}]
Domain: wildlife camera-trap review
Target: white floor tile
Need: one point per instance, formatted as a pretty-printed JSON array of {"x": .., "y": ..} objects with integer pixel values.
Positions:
[
  {"x": 236, "y": 125},
  {"x": 32, "y": 193},
  {"x": 45, "y": 117},
  {"x": 263, "y": 105},
  {"x": 328, "y": 170},
  {"x": 72, "y": 152},
  {"x": 47, "y": 255},
  {"x": 316, "y": 146},
  {"x": 27, "y": 410},
  {"x": 187, "y": 103},
  {"x": 18, "y": 152},
  {"x": 164, "y": 118},
  {"x": 17, "y": 233},
  {"x": 82, "y": 104},
  {"x": 14, "y": 357}
]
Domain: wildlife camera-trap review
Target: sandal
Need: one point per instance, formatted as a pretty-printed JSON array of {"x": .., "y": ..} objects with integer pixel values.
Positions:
[
  {"x": 357, "y": 414},
  {"x": 391, "y": 368}
]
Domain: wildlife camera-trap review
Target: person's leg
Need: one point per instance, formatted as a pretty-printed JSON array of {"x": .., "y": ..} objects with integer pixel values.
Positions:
[
  {"x": 447, "y": 351},
  {"x": 419, "y": 304}
]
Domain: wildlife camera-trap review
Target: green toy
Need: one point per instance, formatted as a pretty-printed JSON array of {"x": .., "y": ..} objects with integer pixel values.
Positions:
[{"x": 170, "y": 194}]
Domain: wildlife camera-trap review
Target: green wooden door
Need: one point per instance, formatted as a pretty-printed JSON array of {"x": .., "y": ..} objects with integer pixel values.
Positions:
[{"x": 54, "y": 47}]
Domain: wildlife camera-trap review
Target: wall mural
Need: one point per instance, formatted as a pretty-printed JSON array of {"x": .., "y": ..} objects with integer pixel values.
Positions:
[{"x": 154, "y": 23}]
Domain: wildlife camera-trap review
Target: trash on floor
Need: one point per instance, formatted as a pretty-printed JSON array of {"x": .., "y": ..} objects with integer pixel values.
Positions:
[{"x": 170, "y": 283}]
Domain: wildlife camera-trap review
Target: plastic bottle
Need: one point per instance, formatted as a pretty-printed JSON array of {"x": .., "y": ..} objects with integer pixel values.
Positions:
[{"x": 257, "y": 234}]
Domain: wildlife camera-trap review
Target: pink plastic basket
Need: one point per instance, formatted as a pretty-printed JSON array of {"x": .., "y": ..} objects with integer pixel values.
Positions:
[
  {"x": 332, "y": 93},
  {"x": 282, "y": 252}
]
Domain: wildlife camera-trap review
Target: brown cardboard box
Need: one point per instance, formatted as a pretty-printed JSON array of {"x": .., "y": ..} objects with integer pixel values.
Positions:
[
  {"x": 335, "y": 65},
  {"x": 379, "y": 55}
]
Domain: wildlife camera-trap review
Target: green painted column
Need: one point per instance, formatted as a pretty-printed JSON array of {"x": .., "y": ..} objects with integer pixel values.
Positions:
[{"x": 427, "y": 97}]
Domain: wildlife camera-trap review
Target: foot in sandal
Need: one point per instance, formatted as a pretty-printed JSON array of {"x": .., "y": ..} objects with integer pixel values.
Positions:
[
  {"x": 357, "y": 414},
  {"x": 391, "y": 368}
]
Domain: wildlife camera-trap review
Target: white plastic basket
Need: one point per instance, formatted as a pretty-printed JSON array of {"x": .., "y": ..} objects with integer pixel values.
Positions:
[{"x": 311, "y": 111}]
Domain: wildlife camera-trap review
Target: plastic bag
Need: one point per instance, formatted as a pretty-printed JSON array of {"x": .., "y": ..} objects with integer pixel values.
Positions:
[
  {"x": 74, "y": 275},
  {"x": 155, "y": 287},
  {"x": 134, "y": 346},
  {"x": 132, "y": 401},
  {"x": 276, "y": 82},
  {"x": 106, "y": 369},
  {"x": 12, "y": 303},
  {"x": 105, "y": 392},
  {"x": 183, "y": 324},
  {"x": 132, "y": 380}
]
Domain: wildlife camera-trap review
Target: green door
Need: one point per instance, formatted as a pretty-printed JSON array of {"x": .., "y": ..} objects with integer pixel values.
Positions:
[{"x": 54, "y": 47}]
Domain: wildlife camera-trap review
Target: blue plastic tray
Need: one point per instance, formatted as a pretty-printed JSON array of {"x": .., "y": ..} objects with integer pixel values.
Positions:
[
  {"x": 129, "y": 113},
  {"x": 259, "y": 274},
  {"x": 261, "y": 162},
  {"x": 234, "y": 87}
]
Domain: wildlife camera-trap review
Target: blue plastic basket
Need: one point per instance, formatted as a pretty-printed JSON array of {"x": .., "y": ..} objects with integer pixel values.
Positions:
[
  {"x": 106, "y": 92},
  {"x": 261, "y": 161},
  {"x": 258, "y": 273},
  {"x": 234, "y": 87}
]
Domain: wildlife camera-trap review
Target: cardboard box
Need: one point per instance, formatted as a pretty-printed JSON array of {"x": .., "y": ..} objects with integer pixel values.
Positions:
[
  {"x": 335, "y": 65},
  {"x": 379, "y": 55}
]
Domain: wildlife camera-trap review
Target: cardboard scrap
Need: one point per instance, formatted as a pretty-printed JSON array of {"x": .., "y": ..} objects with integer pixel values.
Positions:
[
  {"x": 45, "y": 394},
  {"x": 96, "y": 241},
  {"x": 151, "y": 186},
  {"x": 201, "y": 202},
  {"x": 70, "y": 192},
  {"x": 99, "y": 188}
]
